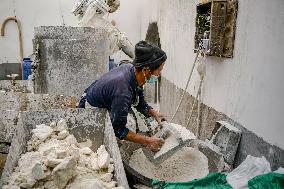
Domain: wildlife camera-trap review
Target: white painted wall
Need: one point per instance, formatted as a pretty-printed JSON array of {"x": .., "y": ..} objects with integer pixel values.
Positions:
[
  {"x": 249, "y": 87},
  {"x": 31, "y": 13}
]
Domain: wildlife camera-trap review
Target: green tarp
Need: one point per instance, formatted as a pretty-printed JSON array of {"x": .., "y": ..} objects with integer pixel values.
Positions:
[
  {"x": 218, "y": 181},
  {"x": 211, "y": 181},
  {"x": 267, "y": 181}
]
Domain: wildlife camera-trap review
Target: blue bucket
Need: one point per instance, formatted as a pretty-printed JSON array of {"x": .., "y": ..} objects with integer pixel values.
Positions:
[{"x": 27, "y": 68}]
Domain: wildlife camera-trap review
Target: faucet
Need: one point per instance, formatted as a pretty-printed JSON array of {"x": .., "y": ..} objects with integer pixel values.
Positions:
[{"x": 19, "y": 30}]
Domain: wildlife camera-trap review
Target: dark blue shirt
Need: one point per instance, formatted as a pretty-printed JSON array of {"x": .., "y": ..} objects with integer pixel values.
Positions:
[{"x": 116, "y": 91}]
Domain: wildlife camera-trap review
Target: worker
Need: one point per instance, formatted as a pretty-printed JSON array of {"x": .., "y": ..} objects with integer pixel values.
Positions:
[{"x": 121, "y": 87}]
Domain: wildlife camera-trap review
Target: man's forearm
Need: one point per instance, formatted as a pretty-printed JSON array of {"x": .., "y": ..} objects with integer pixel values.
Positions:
[
  {"x": 152, "y": 112},
  {"x": 153, "y": 143},
  {"x": 133, "y": 137},
  {"x": 159, "y": 117}
]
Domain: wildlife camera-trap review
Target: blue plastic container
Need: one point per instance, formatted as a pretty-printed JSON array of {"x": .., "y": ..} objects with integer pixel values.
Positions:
[{"x": 27, "y": 68}]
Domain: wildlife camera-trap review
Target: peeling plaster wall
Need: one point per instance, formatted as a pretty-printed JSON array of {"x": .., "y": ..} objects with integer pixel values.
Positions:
[
  {"x": 247, "y": 88},
  {"x": 31, "y": 13}
]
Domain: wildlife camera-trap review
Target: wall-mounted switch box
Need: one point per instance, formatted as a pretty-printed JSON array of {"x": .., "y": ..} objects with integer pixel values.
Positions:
[{"x": 215, "y": 27}]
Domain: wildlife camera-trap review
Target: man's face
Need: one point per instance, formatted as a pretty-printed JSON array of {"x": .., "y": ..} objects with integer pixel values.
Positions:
[{"x": 157, "y": 72}]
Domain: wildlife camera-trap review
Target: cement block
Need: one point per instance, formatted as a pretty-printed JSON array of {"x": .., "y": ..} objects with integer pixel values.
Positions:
[
  {"x": 216, "y": 161},
  {"x": 227, "y": 139},
  {"x": 68, "y": 65},
  {"x": 82, "y": 123}
]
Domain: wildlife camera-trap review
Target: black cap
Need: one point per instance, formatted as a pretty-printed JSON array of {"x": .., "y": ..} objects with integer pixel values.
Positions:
[{"x": 149, "y": 55}]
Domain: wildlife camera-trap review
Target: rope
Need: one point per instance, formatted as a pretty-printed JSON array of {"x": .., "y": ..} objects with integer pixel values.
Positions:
[{"x": 182, "y": 96}]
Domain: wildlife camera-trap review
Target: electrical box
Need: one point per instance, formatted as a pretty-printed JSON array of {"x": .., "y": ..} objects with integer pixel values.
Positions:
[{"x": 215, "y": 27}]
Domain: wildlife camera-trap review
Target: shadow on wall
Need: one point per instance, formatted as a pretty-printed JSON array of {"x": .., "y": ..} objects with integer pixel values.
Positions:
[{"x": 153, "y": 37}]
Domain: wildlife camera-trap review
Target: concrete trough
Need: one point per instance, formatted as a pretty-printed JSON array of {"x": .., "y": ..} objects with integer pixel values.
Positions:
[
  {"x": 215, "y": 159},
  {"x": 93, "y": 124}
]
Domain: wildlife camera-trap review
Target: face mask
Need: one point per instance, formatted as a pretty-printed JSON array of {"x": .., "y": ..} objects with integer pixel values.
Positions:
[{"x": 153, "y": 79}]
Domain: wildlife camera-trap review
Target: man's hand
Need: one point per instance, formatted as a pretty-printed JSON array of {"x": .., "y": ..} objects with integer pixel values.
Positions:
[
  {"x": 155, "y": 143},
  {"x": 158, "y": 116}
]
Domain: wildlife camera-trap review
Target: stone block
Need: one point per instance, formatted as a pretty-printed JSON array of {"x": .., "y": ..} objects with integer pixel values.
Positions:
[
  {"x": 103, "y": 157},
  {"x": 216, "y": 161},
  {"x": 62, "y": 135},
  {"x": 226, "y": 138},
  {"x": 38, "y": 172},
  {"x": 64, "y": 171}
]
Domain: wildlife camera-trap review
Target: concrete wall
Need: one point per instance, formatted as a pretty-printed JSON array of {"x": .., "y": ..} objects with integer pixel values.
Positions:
[
  {"x": 31, "y": 13},
  {"x": 246, "y": 88}
]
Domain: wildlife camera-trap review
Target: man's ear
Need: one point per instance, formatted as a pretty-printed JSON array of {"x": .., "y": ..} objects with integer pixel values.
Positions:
[
  {"x": 147, "y": 70},
  {"x": 144, "y": 71}
]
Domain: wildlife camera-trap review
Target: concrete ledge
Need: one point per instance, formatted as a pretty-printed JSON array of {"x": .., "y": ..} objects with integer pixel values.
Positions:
[{"x": 29, "y": 101}]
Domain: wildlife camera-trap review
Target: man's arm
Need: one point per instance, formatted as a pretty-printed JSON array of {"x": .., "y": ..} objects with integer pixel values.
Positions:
[
  {"x": 119, "y": 114},
  {"x": 147, "y": 110},
  {"x": 158, "y": 116},
  {"x": 153, "y": 143}
]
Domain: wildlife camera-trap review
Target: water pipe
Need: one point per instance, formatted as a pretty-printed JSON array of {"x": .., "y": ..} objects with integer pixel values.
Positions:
[{"x": 19, "y": 33}]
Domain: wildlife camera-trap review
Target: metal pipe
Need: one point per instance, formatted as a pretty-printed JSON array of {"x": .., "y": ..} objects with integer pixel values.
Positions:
[{"x": 19, "y": 31}]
